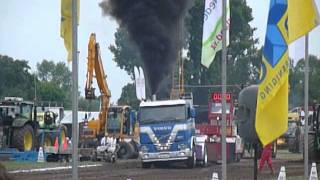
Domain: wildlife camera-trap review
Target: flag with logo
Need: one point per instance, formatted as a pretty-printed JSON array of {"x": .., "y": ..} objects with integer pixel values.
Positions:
[
  {"x": 212, "y": 30},
  {"x": 272, "y": 100},
  {"x": 66, "y": 25}
]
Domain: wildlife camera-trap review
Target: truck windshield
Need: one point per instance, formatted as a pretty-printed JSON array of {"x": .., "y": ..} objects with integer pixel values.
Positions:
[
  {"x": 162, "y": 113},
  {"x": 217, "y": 108}
]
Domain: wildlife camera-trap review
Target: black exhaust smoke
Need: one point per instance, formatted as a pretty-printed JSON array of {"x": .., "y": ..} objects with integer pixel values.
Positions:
[{"x": 152, "y": 25}]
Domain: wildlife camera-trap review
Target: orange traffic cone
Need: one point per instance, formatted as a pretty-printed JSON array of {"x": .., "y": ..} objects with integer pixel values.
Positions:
[
  {"x": 65, "y": 144},
  {"x": 56, "y": 144}
]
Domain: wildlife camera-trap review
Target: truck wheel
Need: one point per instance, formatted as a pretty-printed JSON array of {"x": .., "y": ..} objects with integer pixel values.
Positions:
[
  {"x": 125, "y": 150},
  {"x": 23, "y": 138},
  {"x": 135, "y": 153},
  {"x": 146, "y": 165},
  {"x": 191, "y": 162},
  {"x": 205, "y": 158}
]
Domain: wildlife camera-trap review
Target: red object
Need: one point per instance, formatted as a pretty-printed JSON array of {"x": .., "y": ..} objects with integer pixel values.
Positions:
[
  {"x": 65, "y": 144},
  {"x": 266, "y": 156},
  {"x": 56, "y": 144},
  {"x": 215, "y": 151}
]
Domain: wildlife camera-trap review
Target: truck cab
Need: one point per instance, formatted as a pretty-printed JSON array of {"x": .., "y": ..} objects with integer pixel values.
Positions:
[{"x": 167, "y": 132}]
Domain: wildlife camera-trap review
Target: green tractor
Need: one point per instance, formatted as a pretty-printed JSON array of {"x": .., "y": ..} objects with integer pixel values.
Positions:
[{"x": 23, "y": 128}]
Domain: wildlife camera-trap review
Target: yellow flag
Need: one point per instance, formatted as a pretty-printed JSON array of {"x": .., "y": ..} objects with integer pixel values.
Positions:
[
  {"x": 66, "y": 24},
  {"x": 272, "y": 101},
  {"x": 287, "y": 21},
  {"x": 303, "y": 17}
]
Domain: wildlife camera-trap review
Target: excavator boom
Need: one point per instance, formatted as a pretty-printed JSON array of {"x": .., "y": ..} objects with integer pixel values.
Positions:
[{"x": 95, "y": 63}]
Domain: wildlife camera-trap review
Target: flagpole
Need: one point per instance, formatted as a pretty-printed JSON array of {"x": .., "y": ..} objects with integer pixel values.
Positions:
[
  {"x": 74, "y": 90},
  {"x": 224, "y": 82},
  {"x": 306, "y": 106}
]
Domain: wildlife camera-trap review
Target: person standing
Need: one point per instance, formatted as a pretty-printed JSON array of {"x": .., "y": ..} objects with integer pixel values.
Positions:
[
  {"x": 302, "y": 119},
  {"x": 266, "y": 157}
]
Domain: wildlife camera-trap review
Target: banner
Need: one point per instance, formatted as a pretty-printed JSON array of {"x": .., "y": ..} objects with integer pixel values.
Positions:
[
  {"x": 66, "y": 24},
  {"x": 287, "y": 21},
  {"x": 272, "y": 101},
  {"x": 303, "y": 17},
  {"x": 140, "y": 83},
  {"x": 212, "y": 30}
]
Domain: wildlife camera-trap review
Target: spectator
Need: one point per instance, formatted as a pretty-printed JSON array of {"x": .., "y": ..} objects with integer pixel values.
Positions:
[
  {"x": 302, "y": 119},
  {"x": 266, "y": 156}
]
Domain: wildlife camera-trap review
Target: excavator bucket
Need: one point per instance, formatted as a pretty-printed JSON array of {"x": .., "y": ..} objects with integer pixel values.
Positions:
[{"x": 89, "y": 93}]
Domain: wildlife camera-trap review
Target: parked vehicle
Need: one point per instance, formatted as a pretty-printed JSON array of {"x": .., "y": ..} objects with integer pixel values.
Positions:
[{"x": 167, "y": 133}]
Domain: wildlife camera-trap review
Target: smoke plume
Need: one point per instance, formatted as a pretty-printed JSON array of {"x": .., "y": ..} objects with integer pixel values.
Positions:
[{"x": 152, "y": 25}]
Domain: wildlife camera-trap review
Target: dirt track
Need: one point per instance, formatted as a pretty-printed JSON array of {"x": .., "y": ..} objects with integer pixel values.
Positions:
[{"x": 132, "y": 170}]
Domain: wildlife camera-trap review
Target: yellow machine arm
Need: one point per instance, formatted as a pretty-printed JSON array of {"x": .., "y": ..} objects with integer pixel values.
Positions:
[{"x": 95, "y": 63}]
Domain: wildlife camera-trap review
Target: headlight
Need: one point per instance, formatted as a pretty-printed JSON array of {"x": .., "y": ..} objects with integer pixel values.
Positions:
[
  {"x": 144, "y": 149},
  {"x": 182, "y": 146}
]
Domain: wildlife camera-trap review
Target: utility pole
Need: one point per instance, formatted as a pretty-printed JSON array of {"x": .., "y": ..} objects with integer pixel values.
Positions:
[
  {"x": 75, "y": 90},
  {"x": 224, "y": 89},
  {"x": 306, "y": 106}
]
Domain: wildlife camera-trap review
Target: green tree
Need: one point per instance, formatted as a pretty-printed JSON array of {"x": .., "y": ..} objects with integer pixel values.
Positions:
[
  {"x": 296, "y": 81},
  {"x": 243, "y": 57},
  {"x": 128, "y": 96},
  {"x": 89, "y": 105},
  {"x": 126, "y": 55},
  {"x": 15, "y": 78},
  {"x": 54, "y": 82}
]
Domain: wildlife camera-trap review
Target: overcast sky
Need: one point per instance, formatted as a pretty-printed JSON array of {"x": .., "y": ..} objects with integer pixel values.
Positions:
[{"x": 30, "y": 30}]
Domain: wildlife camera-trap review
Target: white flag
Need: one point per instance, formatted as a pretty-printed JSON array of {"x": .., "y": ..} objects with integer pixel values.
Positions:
[
  {"x": 137, "y": 77},
  {"x": 140, "y": 83},
  {"x": 212, "y": 30}
]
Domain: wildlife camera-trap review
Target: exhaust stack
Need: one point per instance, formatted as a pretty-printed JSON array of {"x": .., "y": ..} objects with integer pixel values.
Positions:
[{"x": 154, "y": 97}]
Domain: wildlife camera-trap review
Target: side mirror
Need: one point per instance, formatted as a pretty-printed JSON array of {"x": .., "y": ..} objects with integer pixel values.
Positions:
[{"x": 192, "y": 113}]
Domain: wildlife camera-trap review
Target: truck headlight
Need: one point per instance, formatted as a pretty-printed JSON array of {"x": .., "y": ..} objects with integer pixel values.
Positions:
[
  {"x": 144, "y": 149},
  {"x": 182, "y": 146}
]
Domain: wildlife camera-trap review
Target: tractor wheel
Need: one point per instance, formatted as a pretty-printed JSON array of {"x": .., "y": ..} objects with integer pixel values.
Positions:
[
  {"x": 23, "y": 138},
  {"x": 313, "y": 155},
  {"x": 125, "y": 151}
]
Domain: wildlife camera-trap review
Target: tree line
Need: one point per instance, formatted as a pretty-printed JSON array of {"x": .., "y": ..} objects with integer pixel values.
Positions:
[{"x": 49, "y": 83}]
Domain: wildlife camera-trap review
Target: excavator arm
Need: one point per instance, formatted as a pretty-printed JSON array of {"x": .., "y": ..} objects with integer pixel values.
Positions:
[{"x": 95, "y": 63}]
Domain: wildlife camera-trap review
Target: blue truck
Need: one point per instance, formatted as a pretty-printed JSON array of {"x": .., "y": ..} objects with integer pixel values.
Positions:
[{"x": 167, "y": 133}]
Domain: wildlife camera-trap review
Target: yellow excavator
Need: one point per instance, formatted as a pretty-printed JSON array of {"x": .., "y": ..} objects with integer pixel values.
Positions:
[
  {"x": 118, "y": 121},
  {"x": 92, "y": 130}
]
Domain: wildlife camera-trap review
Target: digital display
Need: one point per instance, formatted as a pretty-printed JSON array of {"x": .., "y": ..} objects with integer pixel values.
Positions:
[{"x": 218, "y": 96}]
